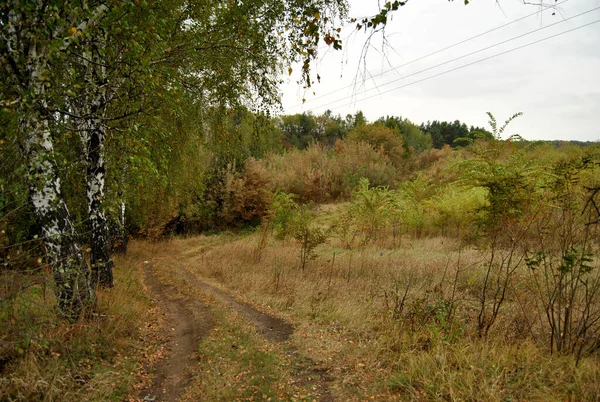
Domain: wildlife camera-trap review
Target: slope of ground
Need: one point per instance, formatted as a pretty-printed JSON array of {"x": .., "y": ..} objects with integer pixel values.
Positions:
[
  {"x": 337, "y": 331},
  {"x": 208, "y": 331}
]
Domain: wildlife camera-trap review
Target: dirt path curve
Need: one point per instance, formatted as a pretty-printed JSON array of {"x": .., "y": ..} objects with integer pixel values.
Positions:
[
  {"x": 189, "y": 320},
  {"x": 276, "y": 330},
  {"x": 186, "y": 323}
]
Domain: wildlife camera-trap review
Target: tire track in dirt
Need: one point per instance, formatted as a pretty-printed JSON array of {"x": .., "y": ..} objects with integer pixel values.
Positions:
[
  {"x": 186, "y": 324},
  {"x": 275, "y": 330}
]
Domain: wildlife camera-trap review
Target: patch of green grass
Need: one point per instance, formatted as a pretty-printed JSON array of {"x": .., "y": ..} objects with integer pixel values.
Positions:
[{"x": 236, "y": 364}]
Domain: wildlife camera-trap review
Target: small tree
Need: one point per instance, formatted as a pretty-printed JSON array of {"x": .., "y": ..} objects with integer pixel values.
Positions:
[
  {"x": 307, "y": 234},
  {"x": 297, "y": 221},
  {"x": 509, "y": 181},
  {"x": 564, "y": 272},
  {"x": 371, "y": 209}
]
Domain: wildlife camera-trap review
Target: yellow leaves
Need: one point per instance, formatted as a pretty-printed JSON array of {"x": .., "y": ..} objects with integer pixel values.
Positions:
[
  {"x": 303, "y": 100},
  {"x": 290, "y": 70},
  {"x": 317, "y": 16},
  {"x": 72, "y": 31}
]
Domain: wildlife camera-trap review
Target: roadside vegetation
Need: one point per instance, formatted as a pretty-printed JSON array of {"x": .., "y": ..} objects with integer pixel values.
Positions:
[
  {"x": 409, "y": 272},
  {"x": 42, "y": 357},
  {"x": 466, "y": 272}
]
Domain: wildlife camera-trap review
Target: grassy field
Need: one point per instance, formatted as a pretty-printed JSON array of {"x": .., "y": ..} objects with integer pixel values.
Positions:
[
  {"x": 383, "y": 323},
  {"x": 387, "y": 322}
]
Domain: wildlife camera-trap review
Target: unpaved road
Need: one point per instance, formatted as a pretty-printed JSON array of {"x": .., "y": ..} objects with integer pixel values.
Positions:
[
  {"x": 185, "y": 325},
  {"x": 187, "y": 322}
]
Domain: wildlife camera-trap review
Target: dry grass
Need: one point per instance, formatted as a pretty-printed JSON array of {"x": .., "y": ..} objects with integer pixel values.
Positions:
[
  {"x": 348, "y": 315},
  {"x": 389, "y": 323},
  {"x": 51, "y": 360}
]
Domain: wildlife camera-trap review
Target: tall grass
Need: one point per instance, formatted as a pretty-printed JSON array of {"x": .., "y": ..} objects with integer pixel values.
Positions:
[
  {"x": 396, "y": 323},
  {"x": 46, "y": 358}
]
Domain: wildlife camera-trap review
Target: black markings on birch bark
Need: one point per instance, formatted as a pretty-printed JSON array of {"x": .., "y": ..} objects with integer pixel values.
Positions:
[
  {"x": 93, "y": 135},
  {"x": 71, "y": 275}
]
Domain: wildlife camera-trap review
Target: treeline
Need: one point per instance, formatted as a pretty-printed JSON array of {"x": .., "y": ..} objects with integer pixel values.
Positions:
[
  {"x": 320, "y": 158},
  {"x": 300, "y": 130}
]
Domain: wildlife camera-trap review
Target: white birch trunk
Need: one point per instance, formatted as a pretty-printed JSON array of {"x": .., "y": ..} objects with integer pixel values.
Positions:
[
  {"x": 122, "y": 240},
  {"x": 71, "y": 276},
  {"x": 93, "y": 135}
]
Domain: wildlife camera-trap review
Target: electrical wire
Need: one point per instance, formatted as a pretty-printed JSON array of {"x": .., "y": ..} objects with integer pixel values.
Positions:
[
  {"x": 454, "y": 69},
  {"x": 438, "y": 51}
]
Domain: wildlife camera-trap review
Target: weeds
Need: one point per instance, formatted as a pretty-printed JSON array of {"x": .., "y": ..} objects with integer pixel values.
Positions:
[{"x": 45, "y": 358}]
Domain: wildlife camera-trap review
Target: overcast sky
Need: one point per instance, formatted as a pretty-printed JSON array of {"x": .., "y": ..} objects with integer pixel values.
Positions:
[{"x": 555, "y": 83}]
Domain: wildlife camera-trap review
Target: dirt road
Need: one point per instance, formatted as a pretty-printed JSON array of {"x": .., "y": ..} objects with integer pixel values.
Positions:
[{"x": 189, "y": 318}]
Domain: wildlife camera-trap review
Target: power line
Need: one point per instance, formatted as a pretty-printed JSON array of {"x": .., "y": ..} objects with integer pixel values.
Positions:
[
  {"x": 438, "y": 51},
  {"x": 460, "y": 57},
  {"x": 470, "y": 64}
]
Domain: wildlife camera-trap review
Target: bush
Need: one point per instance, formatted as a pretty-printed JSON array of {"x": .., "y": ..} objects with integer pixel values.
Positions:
[
  {"x": 320, "y": 174},
  {"x": 380, "y": 137},
  {"x": 297, "y": 221},
  {"x": 245, "y": 197}
]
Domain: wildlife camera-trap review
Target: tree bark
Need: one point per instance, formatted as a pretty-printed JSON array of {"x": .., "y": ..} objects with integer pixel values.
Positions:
[
  {"x": 100, "y": 258},
  {"x": 75, "y": 294},
  {"x": 28, "y": 41},
  {"x": 93, "y": 136}
]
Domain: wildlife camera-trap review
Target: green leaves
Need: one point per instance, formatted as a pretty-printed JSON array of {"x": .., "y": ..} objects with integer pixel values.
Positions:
[
  {"x": 497, "y": 132},
  {"x": 380, "y": 18}
]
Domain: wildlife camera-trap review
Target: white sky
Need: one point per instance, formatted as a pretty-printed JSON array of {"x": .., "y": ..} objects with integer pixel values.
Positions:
[{"x": 555, "y": 83}]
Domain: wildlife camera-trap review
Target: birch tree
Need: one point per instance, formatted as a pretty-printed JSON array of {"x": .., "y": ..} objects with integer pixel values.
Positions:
[
  {"x": 92, "y": 108},
  {"x": 56, "y": 69},
  {"x": 34, "y": 36}
]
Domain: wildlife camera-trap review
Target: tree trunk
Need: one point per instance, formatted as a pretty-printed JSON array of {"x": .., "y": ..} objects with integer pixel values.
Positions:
[
  {"x": 93, "y": 135},
  {"x": 29, "y": 42},
  {"x": 71, "y": 276},
  {"x": 121, "y": 236},
  {"x": 100, "y": 258}
]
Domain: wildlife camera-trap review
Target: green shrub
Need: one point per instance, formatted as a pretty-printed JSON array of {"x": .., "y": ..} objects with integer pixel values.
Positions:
[
  {"x": 320, "y": 174},
  {"x": 380, "y": 137}
]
